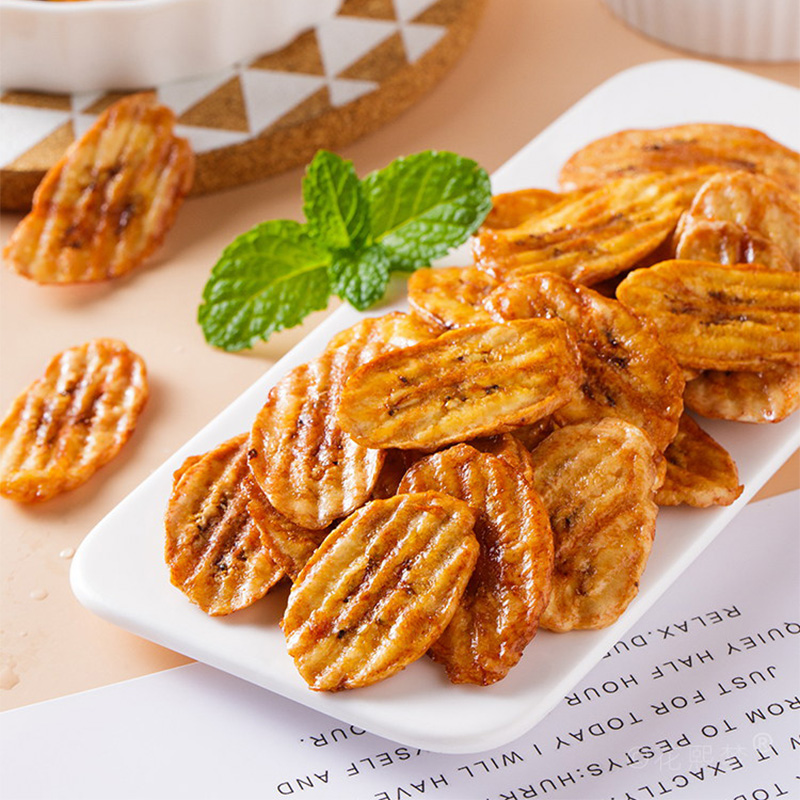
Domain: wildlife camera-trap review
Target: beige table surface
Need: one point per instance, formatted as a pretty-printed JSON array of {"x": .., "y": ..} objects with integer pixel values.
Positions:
[{"x": 529, "y": 62}]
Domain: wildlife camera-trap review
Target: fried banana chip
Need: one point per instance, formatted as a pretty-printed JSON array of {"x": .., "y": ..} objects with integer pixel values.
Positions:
[
  {"x": 628, "y": 373},
  {"x": 741, "y": 218},
  {"x": 450, "y": 297},
  {"x": 700, "y": 471},
  {"x": 213, "y": 548},
  {"x": 708, "y": 316},
  {"x": 725, "y": 147},
  {"x": 289, "y": 545},
  {"x": 509, "y": 447},
  {"x": 498, "y": 614},
  {"x": 380, "y": 589},
  {"x": 597, "y": 483},
  {"x": 767, "y": 396},
  {"x": 108, "y": 204},
  {"x": 71, "y": 421},
  {"x": 376, "y": 335},
  {"x": 593, "y": 235},
  {"x": 470, "y": 382},
  {"x": 311, "y": 470},
  {"x": 512, "y": 208}
]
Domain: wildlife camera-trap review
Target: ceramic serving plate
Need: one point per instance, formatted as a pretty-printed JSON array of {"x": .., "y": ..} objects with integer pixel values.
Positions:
[{"x": 119, "y": 571}]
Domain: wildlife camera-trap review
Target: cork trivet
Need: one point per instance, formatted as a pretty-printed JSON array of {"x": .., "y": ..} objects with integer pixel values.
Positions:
[{"x": 330, "y": 86}]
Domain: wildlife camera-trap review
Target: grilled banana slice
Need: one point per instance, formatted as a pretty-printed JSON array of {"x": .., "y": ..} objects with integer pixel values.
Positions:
[
  {"x": 450, "y": 297},
  {"x": 498, "y": 614},
  {"x": 72, "y": 420},
  {"x": 380, "y": 589},
  {"x": 597, "y": 482},
  {"x": 470, "y": 382}
]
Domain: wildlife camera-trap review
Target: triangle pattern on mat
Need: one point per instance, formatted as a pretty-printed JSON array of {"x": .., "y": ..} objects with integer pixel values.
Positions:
[
  {"x": 180, "y": 96},
  {"x": 21, "y": 125},
  {"x": 344, "y": 91},
  {"x": 418, "y": 39},
  {"x": 204, "y": 139},
  {"x": 409, "y": 9},
  {"x": 344, "y": 40},
  {"x": 268, "y": 94}
]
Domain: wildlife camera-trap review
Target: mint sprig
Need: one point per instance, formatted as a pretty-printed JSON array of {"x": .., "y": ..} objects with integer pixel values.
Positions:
[{"x": 357, "y": 232}]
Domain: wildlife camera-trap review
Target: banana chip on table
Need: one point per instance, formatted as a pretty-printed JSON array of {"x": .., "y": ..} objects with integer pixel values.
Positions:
[
  {"x": 700, "y": 471},
  {"x": 470, "y": 382},
  {"x": 593, "y": 235},
  {"x": 741, "y": 218},
  {"x": 450, "y": 297},
  {"x": 511, "y": 209},
  {"x": 628, "y": 373},
  {"x": 597, "y": 483},
  {"x": 498, "y": 614},
  {"x": 713, "y": 317},
  {"x": 108, "y": 204},
  {"x": 213, "y": 547},
  {"x": 680, "y": 147},
  {"x": 376, "y": 335},
  {"x": 380, "y": 589},
  {"x": 72, "y": 420},
  {"x": 767, "y": 396}
]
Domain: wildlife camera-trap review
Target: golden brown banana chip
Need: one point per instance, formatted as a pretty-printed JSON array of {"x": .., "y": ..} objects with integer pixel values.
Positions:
[
  {"x": 213, "y": 547},
  {"x": 498, "y": 614},
  {"x": 741, "y": 218},
  {"x": 380, "y": 589},
  {"x": 597, "y": 483},
  {"x": 71, "y": 421},
  {"x": 740, "y": 318},
  {"x": 450, "y": 297},
  {"x": 311, "y": 470},
  {"x": 108, "y": 204},
  {"x": 509, "y": 447},
  {"x": 725, "y": 147},
  {"x": 470, "y": 382},
  {"x": 591, "y": 236},
  {"x": 700, "y": 471},
  {"x": 628, "y": 373},
  {"x": 289, "y": 545},
  {"x": 767, "y": 396},
  {"x": 512, "y": 208},
  {"x": 376, "y": 335}
]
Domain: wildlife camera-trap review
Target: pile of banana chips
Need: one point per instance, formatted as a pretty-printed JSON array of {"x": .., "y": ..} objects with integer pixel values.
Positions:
[{"x": 449, "y": 480}]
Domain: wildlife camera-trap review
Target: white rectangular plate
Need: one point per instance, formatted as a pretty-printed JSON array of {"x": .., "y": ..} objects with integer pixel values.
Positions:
[{"x": 119, "y": 571}]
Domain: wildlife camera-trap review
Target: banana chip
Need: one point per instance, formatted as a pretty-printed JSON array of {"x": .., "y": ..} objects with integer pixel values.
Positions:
[
  {"x": 498, "y": 614},
  {"x": 741, "y": 218},
  {"x": 450, "y": 297},
  {"x": 108, "y": 204},
  {"x": 376, "y": 335},
  {"x": 768, "y": 396},
  {"x": 628, "y": 373},
  {"x": 593, "y": 235},
  {"x": 712, "y": 317},
  {"x": 470, "y": 382},
  {"x": 512, "y": 208},
  {"x": 725, "y": 147},
  {"x": 597, "y": 483},
  {"x": 700, "y": 471},
  {"x": 71, "y": 421},
  {"x": 380, "y": 589},
  {"x": 213, "y": 547}
]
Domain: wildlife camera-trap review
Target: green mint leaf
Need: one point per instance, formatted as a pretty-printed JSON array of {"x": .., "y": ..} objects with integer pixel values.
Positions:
[
  {"x": 425, "y": 204},
  {"x": 334, "y": 203},
  {"x": 360, "y": 277},
  {"x": 266, "y": 280}
]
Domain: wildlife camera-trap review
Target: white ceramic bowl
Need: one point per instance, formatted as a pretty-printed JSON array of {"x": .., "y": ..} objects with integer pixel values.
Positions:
[
  {"x": 747, "y": 30},
  {"x": 129, "y": 44}
]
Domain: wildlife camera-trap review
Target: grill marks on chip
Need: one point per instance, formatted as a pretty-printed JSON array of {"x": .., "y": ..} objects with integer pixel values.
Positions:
[
  {"x": 107, "y": 205},
  {"x": 498, "y": 614},
  {"x": 700, "y": 471},
  {"x": 450, "y": 297},
  {"x": 473, "y": 381},
  {"x": 72, "y": 420},
  {"x": 213, "y": 547},
  {"x": 716, "y": 317},
  {"x": 593, "y": 235},
  {"x": 380, "y": 589},
  {"x": 627, "y": 372},
  {"x": 678, "y": 148},
  {"x": 597, "y": 483}
]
